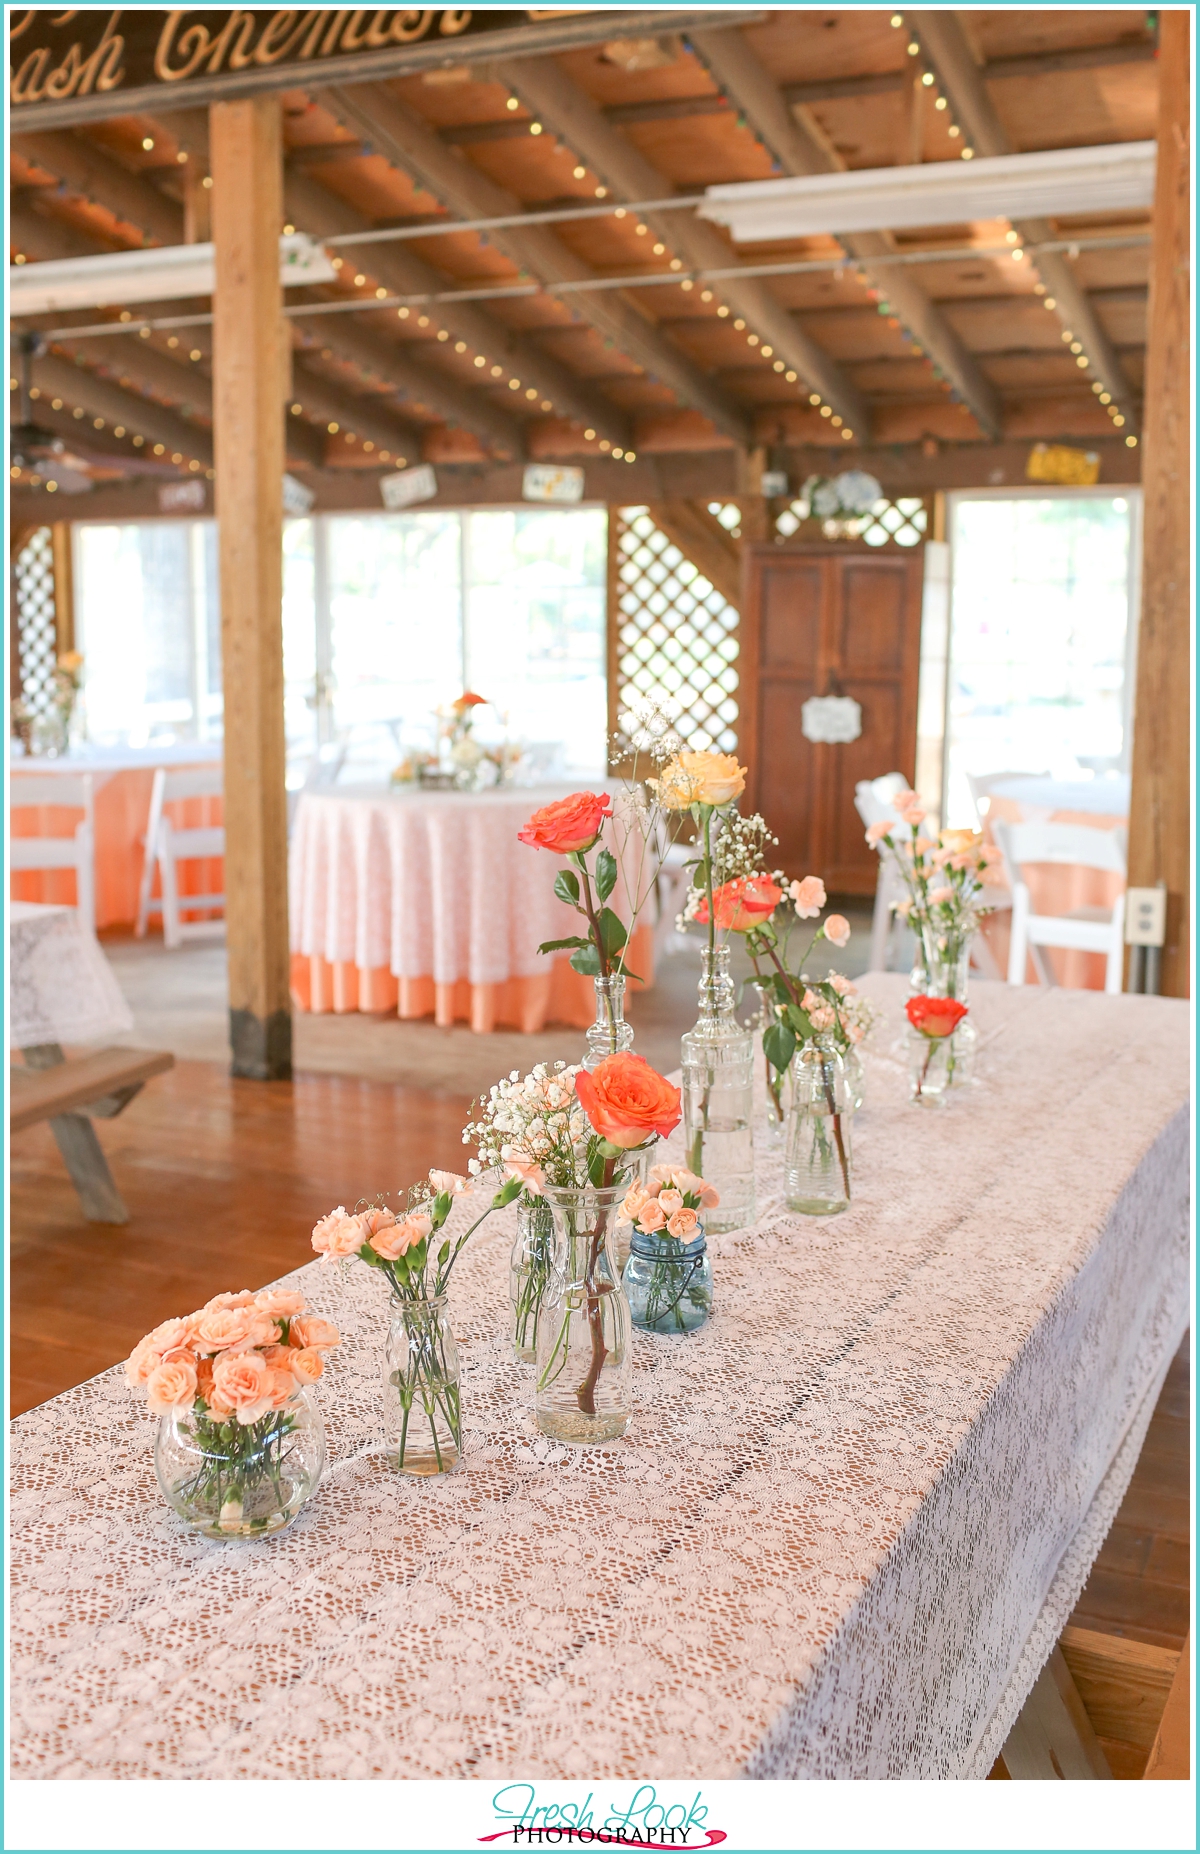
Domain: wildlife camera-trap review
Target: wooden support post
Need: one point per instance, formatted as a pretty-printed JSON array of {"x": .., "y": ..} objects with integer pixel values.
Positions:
[
  {"x": 248, "y": 420},
  {"x": 1159, "y": 812}
]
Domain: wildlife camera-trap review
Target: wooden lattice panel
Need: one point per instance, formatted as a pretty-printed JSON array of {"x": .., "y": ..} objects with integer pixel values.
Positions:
[
  {"x": 676, "y": 635},
  {"x": 36, "y": 621},
  {"x": 903, "y": 522}
]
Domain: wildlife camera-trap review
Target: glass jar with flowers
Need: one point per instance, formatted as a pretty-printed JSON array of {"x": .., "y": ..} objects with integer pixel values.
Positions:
[
  {"x": 422, "y": 1402},
  {"x": 816, "y": 1164},
  {"x": 240, "y": 1444},
  {"x": 936, "y": 1024},
  {"x": 584, "y": 1381},
  {"x": 668, "y": 1276},
  {"x": 462, "y": 755},
  {"x": 729, "y": 890},
  {"x": 529, "y": 1125}
]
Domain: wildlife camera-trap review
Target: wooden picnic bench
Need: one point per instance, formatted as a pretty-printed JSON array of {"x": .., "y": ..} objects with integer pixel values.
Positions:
[{"x": 72, "y": 1092}]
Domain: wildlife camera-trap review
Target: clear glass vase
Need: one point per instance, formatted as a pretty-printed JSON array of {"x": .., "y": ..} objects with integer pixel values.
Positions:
[
  {"x": 422, "y": 1401},
  {"x": 816, "y": 1167},
  {"x": 856, "y": 1078},
  {"x": 777, "y": 1085},
  {"x": 585, "y": 1370},
  {"x": 947, "y": 973},
  {"x": 610, "y": 1034},
  {"x": 227, "y": 1480},
  {"x": 668, "y": 1282},
  {"x": 718, "y": 1097},
  {"x": 529, "y": 1271},
  {"x": 931, "y": 1065}
]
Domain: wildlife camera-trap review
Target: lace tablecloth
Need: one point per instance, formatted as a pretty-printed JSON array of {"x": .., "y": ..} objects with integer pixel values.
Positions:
[
  {"x": 844, "y": 1530},
  {"x": 61, "y": 987},
  {"x": 427, "y": 902}
]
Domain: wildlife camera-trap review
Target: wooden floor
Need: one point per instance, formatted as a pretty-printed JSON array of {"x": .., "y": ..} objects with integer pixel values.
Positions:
[{"x": 224, "y": 1180}]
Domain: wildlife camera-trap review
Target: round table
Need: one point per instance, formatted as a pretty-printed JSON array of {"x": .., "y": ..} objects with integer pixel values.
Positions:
[{"x": 427, "y": 902}]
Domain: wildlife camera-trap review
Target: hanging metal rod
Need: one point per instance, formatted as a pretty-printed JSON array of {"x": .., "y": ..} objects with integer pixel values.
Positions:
[
  {"x": 553, "y": 215},
  {"x": 653, "y": 280}
]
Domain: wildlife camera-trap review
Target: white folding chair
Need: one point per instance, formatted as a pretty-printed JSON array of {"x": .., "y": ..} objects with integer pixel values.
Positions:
[
  {"x": 1086, "y": 929},
  {"x": 873, "y": 802},
  {"x": 73, "y": 791},
  {"x": 166, "y": 845},
  {"x": 982, "y": 785}
]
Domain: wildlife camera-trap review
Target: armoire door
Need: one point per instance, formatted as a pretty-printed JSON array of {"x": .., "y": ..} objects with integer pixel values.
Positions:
[{"x": 831, "y": 620}]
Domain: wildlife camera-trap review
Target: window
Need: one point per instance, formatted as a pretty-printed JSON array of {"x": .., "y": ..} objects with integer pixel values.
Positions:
[
  {"x": 385, "y": 618},
  {"x": 1043, "y": 619}
]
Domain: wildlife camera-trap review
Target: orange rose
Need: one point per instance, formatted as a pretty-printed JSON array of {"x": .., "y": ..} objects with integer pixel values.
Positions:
[
  {"x": 742, "y": 904},
  {"x": 284, "y": 1386},
  {"x": 627, "y": 1101},
  {"x": 279, "y": 1303},
  {"x": 397, "y": 1240},
  {"x": 569, "y": 824},
  {"x": 225, "y": 1327},
  {"x": 935, "y": 1017}
]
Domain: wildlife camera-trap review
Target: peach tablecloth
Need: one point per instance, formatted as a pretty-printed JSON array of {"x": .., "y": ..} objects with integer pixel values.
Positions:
[
  {"x": 122, "y": 810},
  {"x": 423, "y": 902},
  {"x": 1057, "y": 888}
]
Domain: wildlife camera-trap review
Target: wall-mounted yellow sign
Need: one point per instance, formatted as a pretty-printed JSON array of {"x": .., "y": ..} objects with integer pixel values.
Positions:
[{"x": 1062, "y": 463}]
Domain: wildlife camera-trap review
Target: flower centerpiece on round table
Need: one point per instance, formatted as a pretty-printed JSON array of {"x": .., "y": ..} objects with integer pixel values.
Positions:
[
  {"x": 422, "y": 1397},
  {"x": 240, "y": 1444},
  {"x": 668, "y": 1277},
  {"x": 584, "y": 1363}
]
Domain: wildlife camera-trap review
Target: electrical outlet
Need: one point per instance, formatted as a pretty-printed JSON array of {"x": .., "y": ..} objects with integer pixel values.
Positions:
[{"x": 1145, "y": 916}]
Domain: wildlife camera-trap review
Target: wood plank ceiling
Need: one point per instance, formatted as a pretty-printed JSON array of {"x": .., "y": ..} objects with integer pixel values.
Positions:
[{"x": 977, "y": 348}]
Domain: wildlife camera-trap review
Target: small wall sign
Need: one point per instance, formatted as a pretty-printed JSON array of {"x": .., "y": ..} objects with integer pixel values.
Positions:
[
  {"x": 836, "y": 719},
  {"x": 404, "y": 487},
  {"x": 552, "y": 483}
]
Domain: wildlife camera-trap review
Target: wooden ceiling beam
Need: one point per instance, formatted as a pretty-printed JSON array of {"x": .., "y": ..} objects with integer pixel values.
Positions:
[
  {"x": 75, "y": 385},
  {"x": 801, "y": 150},
  {"x": 412, "y": 145},
  {"x": 350, "y": 339},
  {"x": 326, "y": 402},
  {"x": 948, "y": 52},
  {"x": 546, "y": 89},
  {"x": 38, "y": 233},
  {"x": 314, "y": 209},
  {"x": 97, "y": 177}
]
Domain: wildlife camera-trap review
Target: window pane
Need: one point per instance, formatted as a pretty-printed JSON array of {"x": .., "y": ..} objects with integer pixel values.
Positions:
[
  {"x": 133, "y": 606},
  {"x": 535, "y": 643},
  {"x": 299, "y": 639},
  {"x": 1039, "y": 634},
  {"x": 397, "y": 647}
]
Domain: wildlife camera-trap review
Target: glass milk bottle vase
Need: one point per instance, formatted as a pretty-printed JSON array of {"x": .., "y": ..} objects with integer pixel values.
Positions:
[
  {"x": 718, "y": 1097},
  {"x": 610, "y": 1035},
  {"x": 422, "y": 1403},
  {"x": 584, "y": 1366},
  {"x": 529, "y": 1271},
  {"x": 947, "y": 969},
  {"x": 816, "y": 1165}
]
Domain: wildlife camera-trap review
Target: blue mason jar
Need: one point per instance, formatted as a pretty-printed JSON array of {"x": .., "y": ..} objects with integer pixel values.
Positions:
[{"x": 668, "y": 1283}]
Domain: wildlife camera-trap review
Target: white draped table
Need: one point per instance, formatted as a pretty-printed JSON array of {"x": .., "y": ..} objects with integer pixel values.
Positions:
[
  {"x": 61, "y": 988},
  {"x": 843, "y": 1533},
  {"x": 427, "y": 902}
]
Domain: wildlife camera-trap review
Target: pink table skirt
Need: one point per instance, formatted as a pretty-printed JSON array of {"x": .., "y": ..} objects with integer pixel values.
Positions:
[
  {"x": 428, "y": 904},
  {"x": 122, "y": 811},
  {"x": 1058, "y": 888}
]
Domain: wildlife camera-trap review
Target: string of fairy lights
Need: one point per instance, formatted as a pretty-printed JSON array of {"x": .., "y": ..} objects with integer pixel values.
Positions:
[{"x": 496, "y": 372}]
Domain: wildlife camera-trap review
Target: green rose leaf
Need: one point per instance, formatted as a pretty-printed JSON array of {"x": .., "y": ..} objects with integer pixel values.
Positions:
[
  {"x": 779, "y": 1046},
  {"x": 606, "y": 874},
  {"x": 566, "y": 887}
]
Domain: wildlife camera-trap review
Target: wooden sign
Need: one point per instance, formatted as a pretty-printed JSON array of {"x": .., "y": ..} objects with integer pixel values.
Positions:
[{"x": 81, "y": 64}]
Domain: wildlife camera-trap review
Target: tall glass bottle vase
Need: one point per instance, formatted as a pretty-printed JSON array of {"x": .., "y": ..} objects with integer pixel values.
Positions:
[
  {"x": 584, "y": 1365},
  {"x": 778, "y": 1086},
  {"x": 529, "y": 1271},
  {"x": 947, "y": 969},
  {"x": 718, "y": 1097},
  {"x": 610, "y": 1034},
  {"x": 422, "y": 1402},
  {"x": 816, "y": 1166}
]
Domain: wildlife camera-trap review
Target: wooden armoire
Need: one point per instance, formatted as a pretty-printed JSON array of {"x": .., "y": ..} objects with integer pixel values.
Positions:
[{"x": 827, "y": 619}]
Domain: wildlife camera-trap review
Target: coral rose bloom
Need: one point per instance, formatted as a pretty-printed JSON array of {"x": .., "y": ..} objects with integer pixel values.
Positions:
[
  {"x": 878, "y": 831},
  {"x": 531, "y": 1176},
  {"x": 837, "y": 930},
  {"x": 142, "y": 1362},
  {"x": 219, "y": 1301},
  {"x": 308, "y": 1365},
  {"x": 808, "y": 896},
  {"x": 312, "y": 1331},
  {"x": 569, "y": 824},
  {"x": 338, "y": 1234},
  {"x": 627, "y": 1101},
  {"x": 742, "y": 904},
  {"x": 935, "y": 1017},
  {"x": 170, "y": 1385},
  {"x": 243, "y": 1383},
  {"x": 670, "y": 1201},
  {"x": 225, "y": 1327},
  {"x": 696, "y": 778},
  {"x": 652, "y": 1216},
  {"x": 279, "y": 1303}
]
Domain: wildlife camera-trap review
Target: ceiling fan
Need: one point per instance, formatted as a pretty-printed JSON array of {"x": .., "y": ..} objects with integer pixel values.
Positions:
[{"x": 75, "y": 466}]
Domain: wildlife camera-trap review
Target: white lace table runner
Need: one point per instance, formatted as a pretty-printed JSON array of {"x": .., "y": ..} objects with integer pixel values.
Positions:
[
  {"x": 819, "y": 1552},
  {"x": 61, "y": 987}
]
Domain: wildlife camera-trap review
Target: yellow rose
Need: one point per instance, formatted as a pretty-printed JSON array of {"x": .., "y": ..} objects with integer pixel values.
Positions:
[
  {"x": 700, "y": 779},
  {"x": 957, "y": 841}
]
